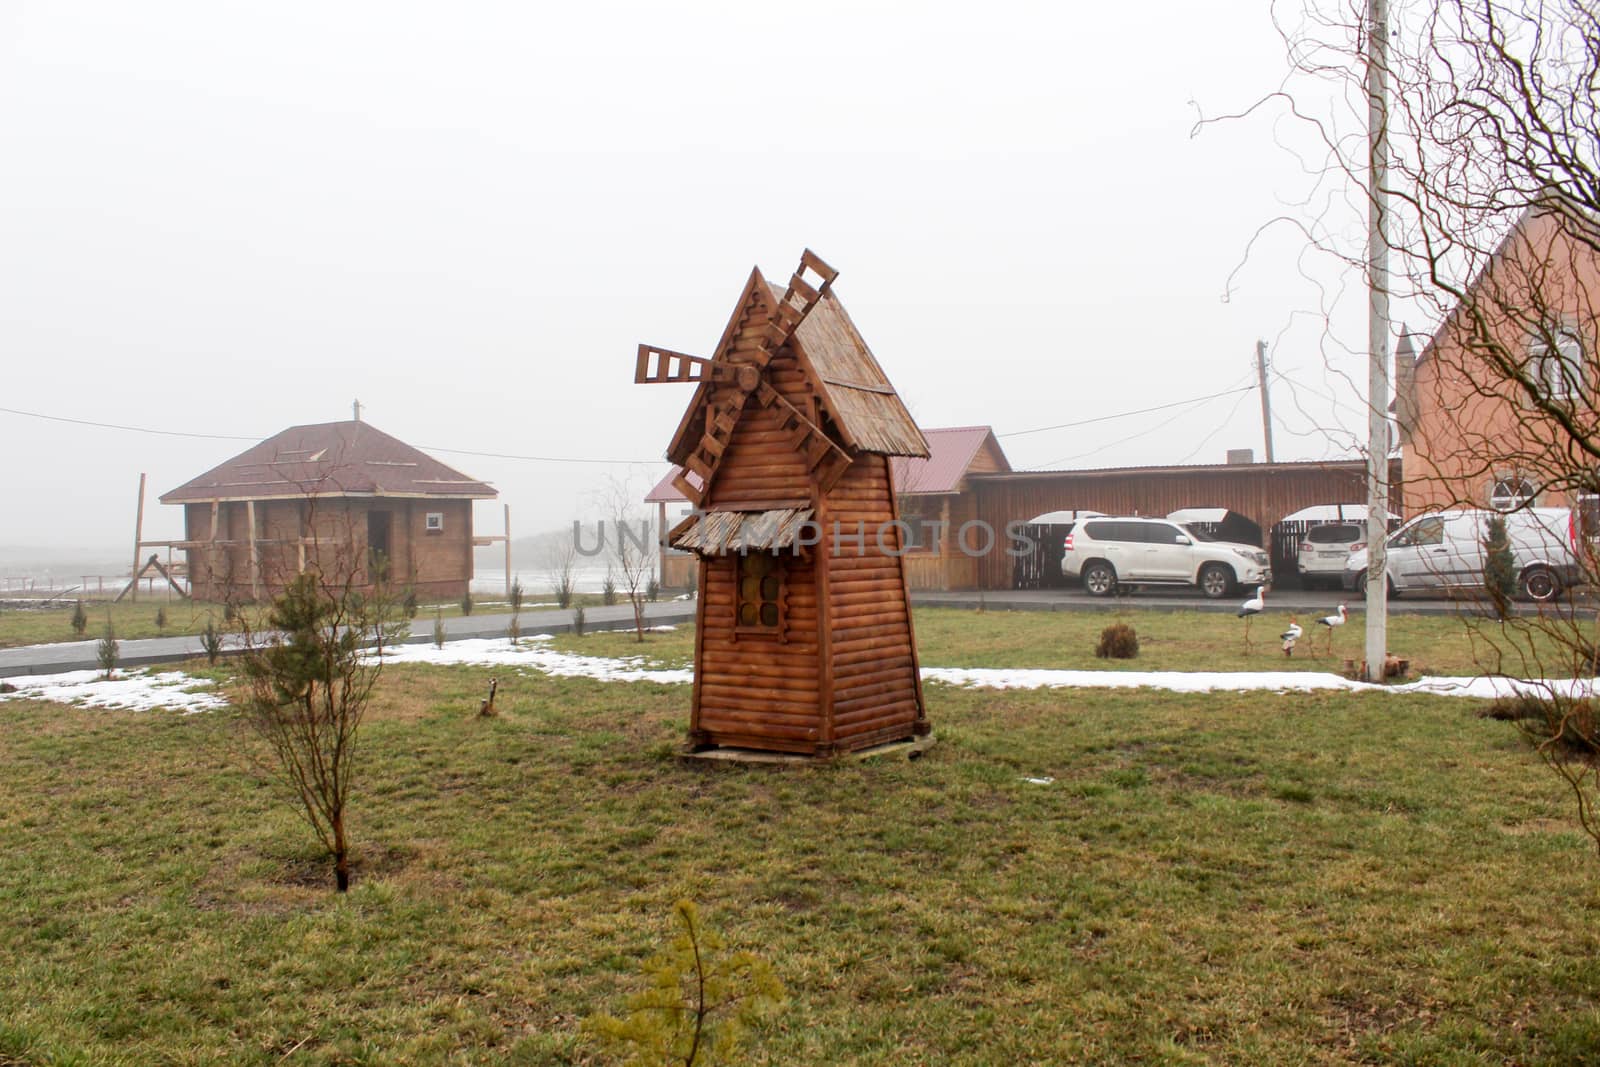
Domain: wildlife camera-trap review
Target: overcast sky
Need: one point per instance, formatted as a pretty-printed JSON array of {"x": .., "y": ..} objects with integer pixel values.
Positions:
[{"x": 229, "y": 218}]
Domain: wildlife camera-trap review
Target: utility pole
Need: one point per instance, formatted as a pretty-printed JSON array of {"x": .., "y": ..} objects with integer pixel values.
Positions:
[
  {"x": 1266, "y": 399},
  {"x": 1377, "y": 340}
]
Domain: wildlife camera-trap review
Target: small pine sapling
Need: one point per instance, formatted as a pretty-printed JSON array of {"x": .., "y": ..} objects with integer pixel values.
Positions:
[
  {"x": 608, "y": 591},
  {"x": 517, "y": 595},
  {"x": 438, "y": 628},
  {"x": 577, "y": 620},
  {"x": 652, "y": 590},
  {"x": 161, "y": 620},
  {"x": 1499, "y": 566},
  {"x": 698, "y": 1004},
  {"x": 211, "y": 642},
  {"x": 108, "y": 652},
  {"x": 80, "y": 619}
]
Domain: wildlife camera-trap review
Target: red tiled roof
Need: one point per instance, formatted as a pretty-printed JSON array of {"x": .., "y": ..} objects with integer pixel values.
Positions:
[
  {"x": 951, "y": 452},
  {"x": 329, "y": 459}
]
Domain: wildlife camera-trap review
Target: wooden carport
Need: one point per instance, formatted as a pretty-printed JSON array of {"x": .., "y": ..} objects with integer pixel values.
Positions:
[{"x": 1264, "y": 492}]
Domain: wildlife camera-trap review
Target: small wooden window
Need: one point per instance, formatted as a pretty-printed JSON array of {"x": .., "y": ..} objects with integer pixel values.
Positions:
[
  {"x": 760, "y": 599},
  {"x": 434, "y": 522}
]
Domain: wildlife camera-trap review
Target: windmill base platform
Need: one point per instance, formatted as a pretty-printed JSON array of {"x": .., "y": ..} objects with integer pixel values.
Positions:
[{"x": 910, "y": 748}]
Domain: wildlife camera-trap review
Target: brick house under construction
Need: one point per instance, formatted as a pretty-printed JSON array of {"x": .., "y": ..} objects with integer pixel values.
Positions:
[{"x": 343, "y": 497}]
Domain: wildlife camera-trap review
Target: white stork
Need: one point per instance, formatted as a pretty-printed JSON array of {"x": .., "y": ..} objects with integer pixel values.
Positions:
[
  {"x": 1251, "y": 608},
  {"x": 1332, "y": 621},
  {"x": 1290, "y": 636}
]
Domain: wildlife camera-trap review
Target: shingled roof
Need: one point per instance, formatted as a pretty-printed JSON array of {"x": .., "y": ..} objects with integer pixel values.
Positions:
[
  {"x": 852, "y": 386},
  {"x": 329, "y": 459}
]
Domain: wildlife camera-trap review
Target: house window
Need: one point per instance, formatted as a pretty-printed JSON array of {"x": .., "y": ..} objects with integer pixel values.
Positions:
[
  {"x": 1557, "y": 362},
  {"x": 760, "y": 600},
  {"x": 434, "y": 522},
  {"x": 1511, "y": 491}
]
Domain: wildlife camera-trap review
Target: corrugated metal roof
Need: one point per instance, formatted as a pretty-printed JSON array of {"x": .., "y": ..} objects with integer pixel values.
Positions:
[
  {"x": 330, "y": 459},
  {"x": 950, "y": 452},
  {"x": 667, "y": 493},
  {"x": 1188, "y": 468},
  {"x": 713, "y": 533}
]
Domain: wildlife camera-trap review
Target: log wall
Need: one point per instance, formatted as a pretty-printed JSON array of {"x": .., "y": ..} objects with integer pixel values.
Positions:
[{"x": 876, "y": 693}]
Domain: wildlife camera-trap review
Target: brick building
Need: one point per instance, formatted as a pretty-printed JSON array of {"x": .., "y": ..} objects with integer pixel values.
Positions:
[{"x": 343, "y": 497}]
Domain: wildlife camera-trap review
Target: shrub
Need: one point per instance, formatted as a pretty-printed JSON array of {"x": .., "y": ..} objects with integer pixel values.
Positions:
[
  {"x": 230, "y": 610},
  {"x": 80, "y": 619},
  {"x": 211, "y": 642},
  {"x": 161, "y": 620},
  {"x": 1567, "y": 725},
  {"x": 608, "y": 592},
  {"x": 517, "y": 595},
  {"x": 652, "y": 590},
  {"x": 1117, "y": 641},
  {"x": 438, "y": 628},
  {"x": 108, "y": 652},
  {"x": 577, "y": 620},
  {"x": 563, "y": 590},
  {"x": 466, "y": 602},
  {"x": 408, "y": 603}
]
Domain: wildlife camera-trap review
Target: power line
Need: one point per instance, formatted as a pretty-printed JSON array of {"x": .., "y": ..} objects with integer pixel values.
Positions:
[
  {"x": 1191, "y": 408},
  {"x": 236, "y": 437},
  {"x": 130, "y": 429},
  {"x": 534, "y": 459},
  {"x": 1126, "y": 414}
]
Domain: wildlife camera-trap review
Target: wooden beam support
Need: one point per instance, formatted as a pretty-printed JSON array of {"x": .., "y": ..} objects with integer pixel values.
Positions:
[
  {"x": 138, "y": 538},
  {"x": 255, "y": 559}
]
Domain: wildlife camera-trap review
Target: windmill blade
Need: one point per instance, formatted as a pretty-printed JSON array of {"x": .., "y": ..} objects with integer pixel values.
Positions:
[
  {"x": 657, "y": 365},
  {"x": 802, "y": 296}
]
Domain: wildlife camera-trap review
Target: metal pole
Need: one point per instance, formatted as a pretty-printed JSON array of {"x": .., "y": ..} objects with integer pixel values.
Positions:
[
  {"x": 1266, "y": 399},
  {"x": 1377, "y": 643}
]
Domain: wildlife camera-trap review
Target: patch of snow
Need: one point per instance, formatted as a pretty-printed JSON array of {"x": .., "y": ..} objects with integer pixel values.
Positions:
[
  {"x": 530, "y": 652},
  {"x": 1242, "y": 681},
  {"x": 133, "y": 690}
]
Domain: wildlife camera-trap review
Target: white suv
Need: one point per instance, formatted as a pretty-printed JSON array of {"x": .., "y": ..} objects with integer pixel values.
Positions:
[{"x": 1106, "y": 552}]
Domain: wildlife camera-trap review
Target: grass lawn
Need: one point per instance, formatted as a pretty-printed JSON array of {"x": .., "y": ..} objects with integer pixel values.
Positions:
[
  {"x": 1227, "y": 879},
  {"x": 1168, "y": 640},
  {"x": 133, "y": 620}
]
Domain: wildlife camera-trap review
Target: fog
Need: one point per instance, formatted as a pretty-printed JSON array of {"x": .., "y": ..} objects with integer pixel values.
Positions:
[{"x": 223, "y": 219}]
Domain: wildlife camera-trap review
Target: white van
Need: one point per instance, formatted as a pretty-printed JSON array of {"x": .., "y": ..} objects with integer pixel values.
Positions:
[{"x": 1443, "y": 551}]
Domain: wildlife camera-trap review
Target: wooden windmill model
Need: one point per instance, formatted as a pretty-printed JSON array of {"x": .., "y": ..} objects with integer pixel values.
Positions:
[{"x": 803, "y": 641}]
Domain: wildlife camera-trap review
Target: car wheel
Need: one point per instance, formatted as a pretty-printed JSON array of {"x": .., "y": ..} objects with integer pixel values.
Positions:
[
  {"x": 1540, "y": 584},
  {"x": 1391, "y": 592},
  {"x": 1099, "y": 579},
  {"x": 1216, "y": 580}
]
